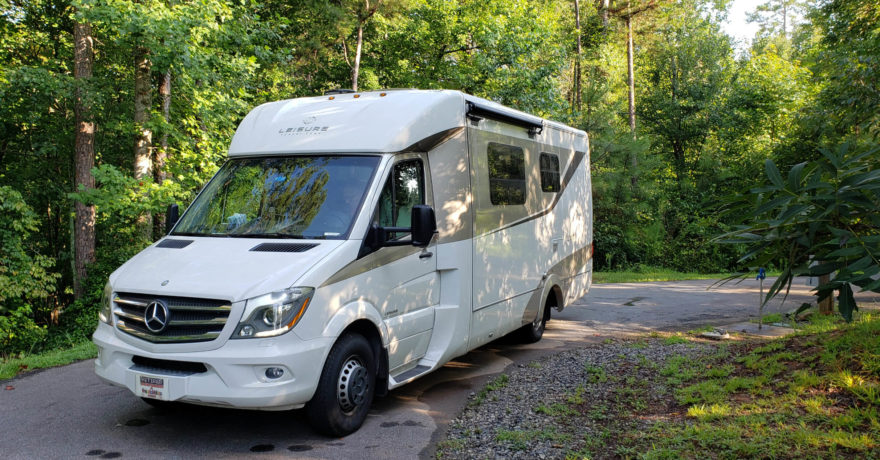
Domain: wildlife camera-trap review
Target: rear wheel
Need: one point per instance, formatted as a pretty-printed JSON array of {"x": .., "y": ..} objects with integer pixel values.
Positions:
[
  {"x": 532, "y": 332},
  {"x": 345, "y": 390}
]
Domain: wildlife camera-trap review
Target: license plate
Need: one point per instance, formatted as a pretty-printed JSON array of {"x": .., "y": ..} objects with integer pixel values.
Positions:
[{"x": 152, "y": 387}]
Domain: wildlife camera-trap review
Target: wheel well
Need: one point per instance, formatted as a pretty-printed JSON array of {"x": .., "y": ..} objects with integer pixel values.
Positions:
[
  {"x": 554, "y": 298},
  {"x": 369, "y": 331}
]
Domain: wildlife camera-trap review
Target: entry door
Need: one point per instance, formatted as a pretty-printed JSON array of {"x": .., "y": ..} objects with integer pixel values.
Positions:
[{"x": 410, "y": 272}]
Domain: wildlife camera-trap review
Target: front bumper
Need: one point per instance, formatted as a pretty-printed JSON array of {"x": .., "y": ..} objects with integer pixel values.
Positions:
[{"x": 234, "y": 375}]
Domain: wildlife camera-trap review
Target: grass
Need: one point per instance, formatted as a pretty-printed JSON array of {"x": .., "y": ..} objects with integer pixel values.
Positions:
[
  {"x": 675, "y": 339},
  {"x": 11, "y": 367},
  {"x": 770, "y": 319},
  {"x": 643, "y": 274},
  {"x": 497, "y": 384},
  {"x": 646, "y": 274},
  {"x": 517, "y": 440},
  {"x": 816, "y": 394}
]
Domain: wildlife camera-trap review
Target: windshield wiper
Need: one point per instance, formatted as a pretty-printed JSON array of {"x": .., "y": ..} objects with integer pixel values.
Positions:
[
  {"x": 253, "y": 235},
  {"x": 265, "y": 235},
  {"x": 215, "y": 235}
]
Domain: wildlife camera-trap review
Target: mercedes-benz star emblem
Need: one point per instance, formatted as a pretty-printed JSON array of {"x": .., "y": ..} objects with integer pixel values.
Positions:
[{"x": 156, "y": 316}]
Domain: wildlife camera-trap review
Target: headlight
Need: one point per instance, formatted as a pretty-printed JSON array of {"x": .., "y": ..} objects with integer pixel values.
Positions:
[
  {"x": 104, "y": 314},
  {"x": 273, "y": 314}
]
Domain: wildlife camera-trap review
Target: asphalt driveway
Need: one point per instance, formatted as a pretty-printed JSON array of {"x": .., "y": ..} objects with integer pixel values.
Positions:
[{"x": 67, "y": 412}]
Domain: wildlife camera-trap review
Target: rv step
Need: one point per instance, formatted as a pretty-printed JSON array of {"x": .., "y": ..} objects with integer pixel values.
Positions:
[{"x": 411, "y": 374}]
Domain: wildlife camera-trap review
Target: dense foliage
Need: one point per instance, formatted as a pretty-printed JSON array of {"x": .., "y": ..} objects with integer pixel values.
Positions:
[{"x": 707, "y": 116}]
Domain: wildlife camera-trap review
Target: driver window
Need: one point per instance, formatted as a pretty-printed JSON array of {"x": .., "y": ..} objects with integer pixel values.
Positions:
[{"x": 403, "y": 190}]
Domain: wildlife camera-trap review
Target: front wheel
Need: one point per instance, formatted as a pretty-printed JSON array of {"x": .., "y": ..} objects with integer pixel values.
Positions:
[{"x": 345, "y": 390}]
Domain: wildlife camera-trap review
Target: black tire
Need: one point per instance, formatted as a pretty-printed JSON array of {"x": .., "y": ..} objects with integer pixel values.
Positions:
[
  {"x": 532, "y": 332},
  {"x": 345, "y": 390}
]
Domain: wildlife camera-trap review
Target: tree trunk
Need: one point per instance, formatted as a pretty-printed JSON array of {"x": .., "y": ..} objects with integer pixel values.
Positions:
[
  {"x": 577, "y": 63},
  {"x": 355, "y": 70},
  {"x": 603, "y": 10},
  {"x": 84, "y": 154},
  {"x": 784, "y": 20},
  {"x": 634, "y": 162},
  {"x": 142, "y": 100},
  {"x": 143, "y": 164},
  {"x": 159, "y": 171},
  {"x": 826, "y": 305}
]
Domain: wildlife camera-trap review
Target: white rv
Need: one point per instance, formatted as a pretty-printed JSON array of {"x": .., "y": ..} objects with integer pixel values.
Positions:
[{"x": 351, "y": 244}]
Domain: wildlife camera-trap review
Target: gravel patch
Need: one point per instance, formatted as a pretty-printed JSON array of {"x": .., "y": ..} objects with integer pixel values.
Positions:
[{"x": 578, "y": 403}]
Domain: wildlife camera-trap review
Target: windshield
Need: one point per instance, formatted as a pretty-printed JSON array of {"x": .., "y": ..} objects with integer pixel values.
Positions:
[{"x": 281, "y": 197}]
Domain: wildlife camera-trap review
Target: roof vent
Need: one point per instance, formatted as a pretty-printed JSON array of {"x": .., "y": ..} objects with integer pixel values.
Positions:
[
  {"x": 282, "y": 247},
  {"x": 338, "y": 91},
  {"x": 174, "y": 244}
]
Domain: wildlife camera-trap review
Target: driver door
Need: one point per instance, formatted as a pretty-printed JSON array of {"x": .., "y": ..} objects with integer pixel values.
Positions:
[{"x": 410, "y": 273}]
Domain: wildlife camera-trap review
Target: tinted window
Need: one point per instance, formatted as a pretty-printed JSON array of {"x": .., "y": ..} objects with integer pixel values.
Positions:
[
  {"x": 403, "y": 190},
  {"x": 549, "y": 172},
  {"x": 507, "y": 174}
]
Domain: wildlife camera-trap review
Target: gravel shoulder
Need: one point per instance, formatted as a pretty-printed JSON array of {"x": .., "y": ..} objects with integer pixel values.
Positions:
[{"x": 575, "y": 404}]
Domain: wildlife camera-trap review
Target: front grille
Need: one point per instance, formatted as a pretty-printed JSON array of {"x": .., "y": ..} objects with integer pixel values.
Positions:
[{"x": 188, "y": 320}]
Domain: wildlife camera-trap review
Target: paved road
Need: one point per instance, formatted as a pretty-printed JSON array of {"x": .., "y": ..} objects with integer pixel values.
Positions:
[{"x": 67, "y": 413}]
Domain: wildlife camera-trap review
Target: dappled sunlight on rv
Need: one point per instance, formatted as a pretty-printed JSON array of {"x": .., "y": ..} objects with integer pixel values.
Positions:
[{"x": 355, "y": 243}]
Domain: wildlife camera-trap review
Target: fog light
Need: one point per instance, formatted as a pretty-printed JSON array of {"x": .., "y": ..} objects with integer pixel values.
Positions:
[
  {"x": 246, "y": 331},
  {"x": 274, "y": 372}
]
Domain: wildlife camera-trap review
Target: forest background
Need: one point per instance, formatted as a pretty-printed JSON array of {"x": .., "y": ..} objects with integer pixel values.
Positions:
[{"x": 112, "y": 109}]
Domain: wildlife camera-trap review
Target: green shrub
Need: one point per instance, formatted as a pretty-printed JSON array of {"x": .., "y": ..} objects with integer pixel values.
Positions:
[
  {"x": 19, "y": 332},
  {"x": 25, "y": 275},
  {"x": 819, "y": 219}
]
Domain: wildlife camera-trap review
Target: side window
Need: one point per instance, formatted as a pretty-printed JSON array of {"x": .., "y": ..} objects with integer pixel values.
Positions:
[
  {"x": 507, "y": 174},
  {"x": 549, "y": 172},
  {"x": 403, "y": 190}
]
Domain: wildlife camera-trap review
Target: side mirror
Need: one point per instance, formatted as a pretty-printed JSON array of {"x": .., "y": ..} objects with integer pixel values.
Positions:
[
  {"x": 423, "y": 225},
  {"x": 172, "y": 215}
]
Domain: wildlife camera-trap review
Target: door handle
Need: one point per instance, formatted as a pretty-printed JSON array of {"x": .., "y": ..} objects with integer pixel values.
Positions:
[{"x": 426, "y": 255}]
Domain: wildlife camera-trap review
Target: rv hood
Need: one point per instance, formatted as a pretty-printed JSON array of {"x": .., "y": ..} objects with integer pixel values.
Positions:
[{"x": 231, "y": 269}]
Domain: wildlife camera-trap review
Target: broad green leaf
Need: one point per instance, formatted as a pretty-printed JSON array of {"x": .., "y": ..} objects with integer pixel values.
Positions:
[
  {"x": 846, "y": 252},
  {"x": 773, "y": 204},
  {"x": 794, "y": 176},
  {"x": 846, "y": 302},
  {"x": 773, "y": 173}
]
